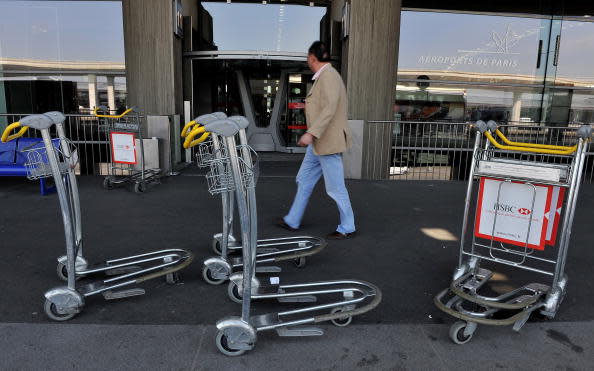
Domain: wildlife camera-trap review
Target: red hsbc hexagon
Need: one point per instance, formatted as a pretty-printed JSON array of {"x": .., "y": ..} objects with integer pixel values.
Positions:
[{"x": 524, "y": 211}]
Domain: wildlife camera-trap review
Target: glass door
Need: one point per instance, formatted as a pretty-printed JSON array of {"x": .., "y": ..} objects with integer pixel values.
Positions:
[{"x": 293, "y": 125}]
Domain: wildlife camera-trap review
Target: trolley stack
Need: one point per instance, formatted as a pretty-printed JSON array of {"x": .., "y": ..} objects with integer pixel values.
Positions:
[{"x": 525, "y": 204}]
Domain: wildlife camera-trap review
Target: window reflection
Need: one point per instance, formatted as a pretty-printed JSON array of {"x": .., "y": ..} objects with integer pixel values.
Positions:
[
  {"x": 50, "y": 50},
  {"x": 257, "y": 27},
  {"x": 460, "y": 103},
  {"x": 575, "y": 54},
  {"x": 471, "y": 47}
]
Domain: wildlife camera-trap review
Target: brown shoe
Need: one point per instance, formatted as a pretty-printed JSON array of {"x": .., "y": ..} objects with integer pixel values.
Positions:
[
  {"x": 281, "y": 223},
  {"x": 340, "y": 236}
]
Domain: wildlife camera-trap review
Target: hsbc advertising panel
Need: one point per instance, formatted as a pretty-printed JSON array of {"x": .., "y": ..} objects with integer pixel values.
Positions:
[{"x": 522, "y": 211}]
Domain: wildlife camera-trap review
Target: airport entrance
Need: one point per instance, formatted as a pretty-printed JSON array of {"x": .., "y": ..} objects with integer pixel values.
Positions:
[{"x": 269, "y": 92}]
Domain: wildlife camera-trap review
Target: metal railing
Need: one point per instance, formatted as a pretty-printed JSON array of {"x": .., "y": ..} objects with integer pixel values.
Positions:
[
  {"x": 424, "y": 150},
  {"x": 89, "y": 135}
]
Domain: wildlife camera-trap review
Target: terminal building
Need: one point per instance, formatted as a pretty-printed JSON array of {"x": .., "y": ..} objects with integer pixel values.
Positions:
[{"x": 414, "y": 62}]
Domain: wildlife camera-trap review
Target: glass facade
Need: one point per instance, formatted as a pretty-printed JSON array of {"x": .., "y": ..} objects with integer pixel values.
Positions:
[
  {"x": 258, "y": 27},
  {"x": 61, "y": 55},
  {"x": 506, "y": 68}
]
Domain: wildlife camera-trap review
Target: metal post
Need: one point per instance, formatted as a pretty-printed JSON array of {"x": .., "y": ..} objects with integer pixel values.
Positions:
[
  {"x": 477, "y": 140},
  {"x": 248, "y": 267},
  {"x": 64, "y": 208}
]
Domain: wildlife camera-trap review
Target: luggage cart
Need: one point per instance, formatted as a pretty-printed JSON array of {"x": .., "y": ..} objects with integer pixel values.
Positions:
[
  {"x": 236, "y": 335},
  {"x": 57, "y": 158},
  {"x": 127, "y": 165},
  {"x": 217, "y": 270},
  {"x": 526, "y": 191}
]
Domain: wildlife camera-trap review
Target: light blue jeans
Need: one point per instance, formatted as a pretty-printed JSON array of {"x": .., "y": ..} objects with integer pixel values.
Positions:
[{"x": 312, "y": 168}]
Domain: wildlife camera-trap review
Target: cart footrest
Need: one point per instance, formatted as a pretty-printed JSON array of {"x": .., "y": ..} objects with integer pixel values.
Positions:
[
  {"x": 299, "y": 331},
  {"x": 268, "y": 269},
  {"x": 123, "y": 270},
  {"x": 298, "y": 299},
  {"x": 112, "y": 295}
]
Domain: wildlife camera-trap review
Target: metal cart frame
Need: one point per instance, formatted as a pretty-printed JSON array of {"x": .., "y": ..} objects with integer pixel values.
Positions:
[
  {"x": 530, "y": 164},
  {"x": 212, "y": 153},
  {"x": 236, "y": 335},
  {"x": 58, "y": 160},
  {"x": 118, "y": 174}
]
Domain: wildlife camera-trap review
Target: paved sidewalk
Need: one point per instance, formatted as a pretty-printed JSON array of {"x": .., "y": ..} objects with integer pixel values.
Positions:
[{"x": 551, "y": 346}]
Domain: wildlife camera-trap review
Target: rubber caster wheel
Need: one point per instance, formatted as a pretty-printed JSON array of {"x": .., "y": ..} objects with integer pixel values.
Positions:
[
  {"x": 300, "y": 262},
  {"x": 208, "y": 277},
  {"x": 52, "y": 312},
  {"x": 457, "y": 333},
  {"x": 216, "y": 246},
  {"x": 139, "y": 187},
  {"x": 223, "y": 346},
  {"x": 107, "y": 184},
  {"x": 233, "y": 292},
  {"x": 63, "y": 272},
  {"x": 343, "y": 322}
]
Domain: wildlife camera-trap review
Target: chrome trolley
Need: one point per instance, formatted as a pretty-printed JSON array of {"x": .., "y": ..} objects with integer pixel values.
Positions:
[
  {"x": 212, "y": 153},
  {"x": 236, "y": 335},
  {"x": 526, "y": 191},
  {"x": 57, "y": 158},
  {"x": 126, "y": 170}
]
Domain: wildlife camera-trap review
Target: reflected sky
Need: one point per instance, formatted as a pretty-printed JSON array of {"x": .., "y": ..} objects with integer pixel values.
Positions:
[
  {"x": 62, "y": 30},
  {"x": 271, "y": 27}
]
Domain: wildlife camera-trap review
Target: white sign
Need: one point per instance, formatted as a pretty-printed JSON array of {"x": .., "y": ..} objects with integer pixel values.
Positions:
[
  {"x": 123, "y": 149},
  {"x": 520, "y": 214},
  {"x": 520, "y": 171}
]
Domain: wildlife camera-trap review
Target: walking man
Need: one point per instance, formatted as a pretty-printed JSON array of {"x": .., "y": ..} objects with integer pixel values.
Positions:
[{"x": 326, "y": 138}]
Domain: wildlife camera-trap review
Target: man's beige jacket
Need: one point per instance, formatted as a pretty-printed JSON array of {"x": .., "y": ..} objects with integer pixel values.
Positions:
[{"x": 326, "y": 113}]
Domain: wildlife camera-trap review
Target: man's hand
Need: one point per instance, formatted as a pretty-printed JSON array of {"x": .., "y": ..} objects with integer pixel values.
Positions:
[{"x": 305, "y": 140}]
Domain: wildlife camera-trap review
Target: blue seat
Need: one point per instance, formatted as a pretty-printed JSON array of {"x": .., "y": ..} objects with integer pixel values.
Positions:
[{"x": 13, "y": 159}]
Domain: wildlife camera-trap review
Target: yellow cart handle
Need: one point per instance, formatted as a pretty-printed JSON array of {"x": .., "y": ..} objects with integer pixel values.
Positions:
[
  {"x": 186, "y": 130},
  {"x": 7, "y": 137},
  {"x": 191, "y": 142},
  {"x": 524, "y": 147},
  {"x": 534, "y": 145},
  {"x": 112, "y": 116}
]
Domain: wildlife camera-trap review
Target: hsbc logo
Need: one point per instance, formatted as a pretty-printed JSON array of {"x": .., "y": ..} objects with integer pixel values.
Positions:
[
  {"x": 511, "y": 209},
  {"x": 503, "y": 207}
]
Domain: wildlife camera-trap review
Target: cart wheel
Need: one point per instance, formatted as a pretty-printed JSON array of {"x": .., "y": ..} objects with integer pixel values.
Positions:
[
  {"x": 233, "y": 292},
  {"x": 139, "y": 187},
  {"x": 216, "y": 246},
  {"x": 107, "y": 183},
  {"x": 457, "y": 333},
  {"x": 343, "y": 322},
  {"x": 207, "y": 275},
  {"x": 300, "y": 262},
  {"x": 62, "y": 272},
  {"x": 223, "y": 345},
  {"x": 52, "y": 312}
]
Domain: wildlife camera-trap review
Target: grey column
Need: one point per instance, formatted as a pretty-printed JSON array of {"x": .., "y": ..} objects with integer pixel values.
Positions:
[
  {"x": 92, "y": 87},
  {"x": 370, "y": 62},
  {"x": 152, "y": 55},
  {"x": 111, "y": 93}
]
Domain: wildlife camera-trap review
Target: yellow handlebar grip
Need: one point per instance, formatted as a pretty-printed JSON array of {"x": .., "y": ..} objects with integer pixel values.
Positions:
[
  {"x": 112, "y": 116},
  {"x": 186, "y": 130},
  {"x": 568, "y": 151},
  {"x": 6, "y": 136},
  {"x": 534, "y": 145},
  {"x": 191, "y": 142}
]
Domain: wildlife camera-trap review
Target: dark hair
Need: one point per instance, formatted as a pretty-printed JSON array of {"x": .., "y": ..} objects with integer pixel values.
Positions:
[{"x": 319, "y": 50}]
